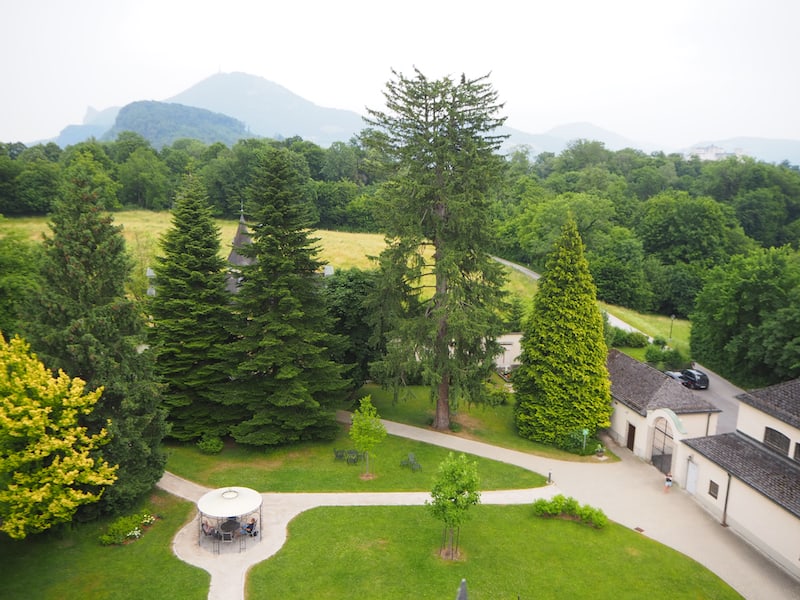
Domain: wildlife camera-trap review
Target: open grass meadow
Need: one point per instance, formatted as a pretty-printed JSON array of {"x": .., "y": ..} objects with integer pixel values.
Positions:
[
  {"x": 505, "y": 552},
  {"x": 142, "y": 230},
  {"x": 70, "y": 564}
]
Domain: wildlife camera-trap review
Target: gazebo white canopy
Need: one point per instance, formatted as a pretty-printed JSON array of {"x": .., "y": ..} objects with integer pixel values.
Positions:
[
  {"x": 229, "y": 506},
  {"x": 230, "y": 502}
]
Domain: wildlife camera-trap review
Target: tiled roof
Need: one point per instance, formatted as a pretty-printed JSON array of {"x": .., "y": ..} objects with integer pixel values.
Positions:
[
  {"x": 781, "y": 401},
  {"x": 240, "y": 240},
  {"x": 642, "y": 388},
  {"x": 775, "y": 476}
]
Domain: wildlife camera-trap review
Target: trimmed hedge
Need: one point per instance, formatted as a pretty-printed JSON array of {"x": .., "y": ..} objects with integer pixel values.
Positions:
[{"x": 563, "y": 507}]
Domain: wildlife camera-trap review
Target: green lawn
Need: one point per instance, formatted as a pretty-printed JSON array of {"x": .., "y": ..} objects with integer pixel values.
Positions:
[
  {"x": 71, "y": 564},
  {"x": 392, "y": 552},
  {"x": 369, "y": 552},
  {"x": 288, "y": 469}
]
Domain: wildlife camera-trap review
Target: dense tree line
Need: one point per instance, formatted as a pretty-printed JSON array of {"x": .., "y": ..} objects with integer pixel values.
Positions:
[{"x": 653, "y": 224}]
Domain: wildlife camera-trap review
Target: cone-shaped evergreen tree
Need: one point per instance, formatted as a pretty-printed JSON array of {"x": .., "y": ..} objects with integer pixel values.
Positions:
[
  {"x": 562, "y": 385},
  {"x": 284, "y": 381},
  {"x": 84, "y": 323},
  {"x": 191, "y": 311}
]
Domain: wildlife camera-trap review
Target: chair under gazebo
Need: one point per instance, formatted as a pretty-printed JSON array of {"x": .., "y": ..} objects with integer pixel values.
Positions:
[{"x": 225, "y": 512}]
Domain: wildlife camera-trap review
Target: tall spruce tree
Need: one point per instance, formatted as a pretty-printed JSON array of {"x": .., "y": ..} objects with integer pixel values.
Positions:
[
  {"x": 562, "y": 385},
  {"x": 191, "y": 313},
  {"x": 84, "y": 323},
  {"x": 441, "y": 292},
  {"x": 284, "y": 382}
]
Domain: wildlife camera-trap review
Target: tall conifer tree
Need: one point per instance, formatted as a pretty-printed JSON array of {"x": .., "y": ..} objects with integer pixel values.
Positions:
[
  {"x": 283, "y": 378},
  {"x": 441, "y": 292},
  {"x": 562, "y": 385},
  {"x": 191, "y": 312},
  {"x": 84, "y": 323}
]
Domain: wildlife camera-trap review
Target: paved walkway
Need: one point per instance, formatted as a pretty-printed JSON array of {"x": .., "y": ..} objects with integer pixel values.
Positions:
[{"x": 630, "y": 492}]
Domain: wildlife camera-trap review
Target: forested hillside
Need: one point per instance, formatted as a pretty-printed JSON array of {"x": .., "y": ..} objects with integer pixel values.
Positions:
[
  {"x": 656, "y": 227},
  {"x": 163, "y": 123}
]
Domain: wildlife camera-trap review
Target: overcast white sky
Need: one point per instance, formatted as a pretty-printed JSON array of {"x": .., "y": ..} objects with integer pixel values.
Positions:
[{"x": 666, "y": 72}]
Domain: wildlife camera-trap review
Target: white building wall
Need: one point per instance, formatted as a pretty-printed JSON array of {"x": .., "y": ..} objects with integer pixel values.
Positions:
[
  {"x": 768, "y": 527},
  {"x": 752, "y": 422},
  {"x": 511, "y": 344},
  {"x": 699, "y": 424},
  {"x": 620, "y": 417},
  {"x": 693, "y": 425}
]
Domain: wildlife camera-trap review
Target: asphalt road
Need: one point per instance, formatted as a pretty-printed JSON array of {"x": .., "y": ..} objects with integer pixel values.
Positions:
[{"x": 722, "y": 394}]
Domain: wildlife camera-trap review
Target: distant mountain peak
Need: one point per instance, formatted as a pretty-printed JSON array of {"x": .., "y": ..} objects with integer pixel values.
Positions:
[
  {"x": 269, "y": 109},
  {"x": 162, "y": 123}
]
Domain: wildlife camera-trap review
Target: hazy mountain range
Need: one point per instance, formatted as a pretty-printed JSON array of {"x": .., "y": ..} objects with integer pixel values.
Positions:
[{"x": 230, "y": 106}]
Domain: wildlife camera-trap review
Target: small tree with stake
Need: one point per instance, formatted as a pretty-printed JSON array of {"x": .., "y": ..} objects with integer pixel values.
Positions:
[
  {"x": 455, "y": 490},
  {"x": 367, "y": 431}
]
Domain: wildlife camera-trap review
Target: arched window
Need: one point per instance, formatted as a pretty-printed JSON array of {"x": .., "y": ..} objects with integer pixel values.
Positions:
[{"x": 776, "y": 440}]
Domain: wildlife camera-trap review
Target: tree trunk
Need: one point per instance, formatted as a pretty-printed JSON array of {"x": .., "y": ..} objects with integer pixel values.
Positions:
[
  {"x": 442, "y": 344},
  {"x": 442, "y": 419}
]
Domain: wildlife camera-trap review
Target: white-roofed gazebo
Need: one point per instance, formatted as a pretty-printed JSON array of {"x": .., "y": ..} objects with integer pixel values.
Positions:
[{"x": 227, "y": 509}]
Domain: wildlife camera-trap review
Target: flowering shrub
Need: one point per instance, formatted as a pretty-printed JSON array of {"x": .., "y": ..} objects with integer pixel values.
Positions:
[{"x": 127, "y": 528}]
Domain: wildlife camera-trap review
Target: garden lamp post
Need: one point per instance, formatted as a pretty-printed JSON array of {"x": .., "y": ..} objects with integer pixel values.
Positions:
[{"x": 671, "y": 323}]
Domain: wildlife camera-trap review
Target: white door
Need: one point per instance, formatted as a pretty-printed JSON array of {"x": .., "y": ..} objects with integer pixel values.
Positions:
[{"x": 691, "y": 478}]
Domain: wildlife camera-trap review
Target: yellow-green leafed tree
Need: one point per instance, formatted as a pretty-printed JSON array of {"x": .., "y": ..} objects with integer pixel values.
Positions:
[{"x": 48, "y": 464}]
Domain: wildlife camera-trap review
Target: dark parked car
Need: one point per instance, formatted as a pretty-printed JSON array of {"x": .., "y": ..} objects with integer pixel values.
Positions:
[{"x": 692, "y": 378}]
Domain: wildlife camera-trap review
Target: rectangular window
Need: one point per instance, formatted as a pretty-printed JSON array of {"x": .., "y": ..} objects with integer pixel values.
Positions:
[
  {"x": 713, "y": 489},
  {"x": 776, "y": 440},
  {"x": 797, "y": 452}
]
